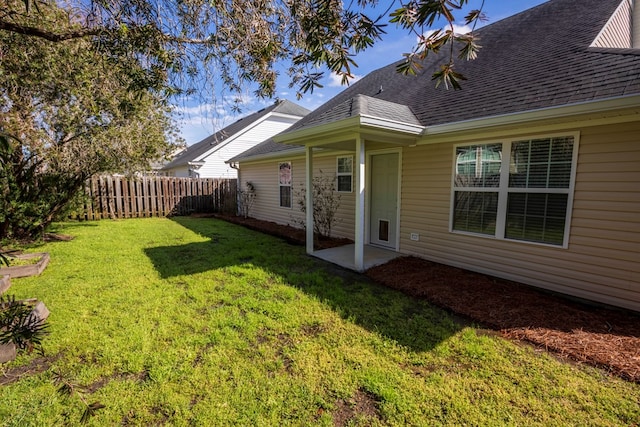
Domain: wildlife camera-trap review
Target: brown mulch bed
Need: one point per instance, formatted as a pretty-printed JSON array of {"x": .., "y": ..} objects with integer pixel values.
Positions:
[
  {"x": 290, "y": 234},
  {"x": 605, "y": 337}
]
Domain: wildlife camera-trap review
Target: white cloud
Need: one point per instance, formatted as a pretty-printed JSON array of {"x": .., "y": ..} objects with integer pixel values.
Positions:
[
  {"x": 336, "y": 80},
  {"x": 457, "y": 29}
]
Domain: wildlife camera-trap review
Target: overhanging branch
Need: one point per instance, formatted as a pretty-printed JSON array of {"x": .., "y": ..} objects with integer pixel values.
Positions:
[
  {"x": 84, "y": 32},
  {"x": 48, "y": 35}
]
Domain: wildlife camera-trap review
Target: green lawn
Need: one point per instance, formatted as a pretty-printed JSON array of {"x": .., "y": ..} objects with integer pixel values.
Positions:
[{"x": 200, "y": 322}]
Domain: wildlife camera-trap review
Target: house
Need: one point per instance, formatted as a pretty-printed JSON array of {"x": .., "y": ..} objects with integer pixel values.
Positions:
[
  {"x": 530, "y": 173},
  {"x": 206, "y": 159}
]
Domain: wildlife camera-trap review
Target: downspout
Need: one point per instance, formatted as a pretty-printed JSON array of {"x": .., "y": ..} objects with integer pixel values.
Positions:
[
  {"x": 309, "y": 225},
  {"x": 635, "y": 24},
  {"x": 236, "y": 166}
]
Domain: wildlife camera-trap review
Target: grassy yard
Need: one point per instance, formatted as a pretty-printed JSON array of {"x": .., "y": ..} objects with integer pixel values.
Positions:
[{"x": 200, "y": 322}]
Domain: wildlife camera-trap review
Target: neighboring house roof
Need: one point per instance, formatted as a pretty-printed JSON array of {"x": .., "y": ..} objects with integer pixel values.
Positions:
[
  {"x": 537, "y": 59},
  {"x": 195, "y": 153}
]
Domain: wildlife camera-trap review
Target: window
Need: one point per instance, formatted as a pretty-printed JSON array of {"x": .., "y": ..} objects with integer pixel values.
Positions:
[
  {"x": 345, "y": 173},
  {"x": 477, "y": 180},
  {"x": 284, "y": 180},
  {"x": 519, "y": 190}
]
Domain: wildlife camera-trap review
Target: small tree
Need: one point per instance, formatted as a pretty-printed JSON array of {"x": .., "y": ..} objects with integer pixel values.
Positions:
[
  {"x": 326, "y": 202},
  {"x": 246, "y": 198},
  {"x": 20, "y": 325}
]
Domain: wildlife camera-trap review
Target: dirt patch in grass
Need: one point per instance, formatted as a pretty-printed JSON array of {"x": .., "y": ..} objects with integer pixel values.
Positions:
[
  {"x": 362, "y": 406},
  {"x": 36, "y": 366},
  {"x": 599, "y": 336},
  {"x": 140, "y": 377}
]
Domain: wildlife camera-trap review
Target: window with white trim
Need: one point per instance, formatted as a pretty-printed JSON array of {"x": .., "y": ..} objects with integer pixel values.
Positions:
[
  {"x": 344, "y": 173},
  {"x": 284, "y": 181},
  {"x": 517, "y": 190}
]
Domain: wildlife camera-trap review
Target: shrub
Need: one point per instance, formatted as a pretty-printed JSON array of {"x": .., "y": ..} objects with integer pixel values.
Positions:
[
  {"x": 20, "y": 325},
  {"x": 326, "y": 202},
  {"x": 246, "y": 198}
]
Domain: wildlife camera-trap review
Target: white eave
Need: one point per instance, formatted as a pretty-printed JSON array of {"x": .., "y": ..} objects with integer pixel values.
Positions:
[
  {"x": 292, "y": 152},
  {"x": 351, "y": 124},
  {"x": 564, "y": 111},
  {"x": 363, "y": 122}
]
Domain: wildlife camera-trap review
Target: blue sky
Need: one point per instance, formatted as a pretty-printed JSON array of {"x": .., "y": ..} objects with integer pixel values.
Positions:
[{"x": 201, "y": 120}]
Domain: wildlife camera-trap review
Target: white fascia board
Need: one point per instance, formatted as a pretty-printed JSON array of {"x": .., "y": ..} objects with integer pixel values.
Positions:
[
  {"x": 303, "y": 134},
  {"x": 392, "y": 125},
  {"x": 272, "y": 155},
  {"x": 353, "y": 124},
  {"x": 600, "y": 106}
]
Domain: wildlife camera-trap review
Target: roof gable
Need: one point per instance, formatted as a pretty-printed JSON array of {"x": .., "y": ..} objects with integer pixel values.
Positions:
[
  {"x": 196, "y": 152},
  {"x": 617, "y": 31}
]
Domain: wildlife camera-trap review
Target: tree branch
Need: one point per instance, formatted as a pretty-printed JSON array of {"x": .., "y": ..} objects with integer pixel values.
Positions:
[
  {"x": 84, "y": 32},
  {"x": 48, "y": 35}
]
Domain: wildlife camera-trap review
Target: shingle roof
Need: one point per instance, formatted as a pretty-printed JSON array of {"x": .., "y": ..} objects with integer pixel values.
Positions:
[
  {"x": 359, "y": 105},
  {"x": 196, "y": 150},
  {"x": 363, "y": 105},
  {"x": 536, "y": 59}
]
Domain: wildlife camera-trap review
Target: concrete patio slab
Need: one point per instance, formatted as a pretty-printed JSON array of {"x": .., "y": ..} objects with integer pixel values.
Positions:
[{"x": 344, "y": 256}]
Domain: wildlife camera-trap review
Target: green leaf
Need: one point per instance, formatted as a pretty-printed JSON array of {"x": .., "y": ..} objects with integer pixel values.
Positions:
[
  {"x": 470, "y": 49},
  {"x": 448, "y": 77}
]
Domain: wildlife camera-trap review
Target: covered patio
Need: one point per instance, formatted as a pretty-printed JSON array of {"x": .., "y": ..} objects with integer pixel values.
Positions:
[{"x": 361, "y": 125}]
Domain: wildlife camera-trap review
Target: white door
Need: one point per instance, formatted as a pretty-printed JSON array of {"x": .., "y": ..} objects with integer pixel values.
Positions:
[{"x": 383, "y": 206}]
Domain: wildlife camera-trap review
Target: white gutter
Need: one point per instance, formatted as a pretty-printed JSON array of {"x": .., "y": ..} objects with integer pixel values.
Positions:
[
  {"x": 600, "y": 106},
  {"x": 586, "y": 107},
  {"x": 297, "y": 151},
  {"x": 393, "y": 125},
  {"x": 350, "y": 123}
]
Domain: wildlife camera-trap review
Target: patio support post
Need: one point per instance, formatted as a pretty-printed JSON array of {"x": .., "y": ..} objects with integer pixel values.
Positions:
[
  {"x": 309, "y": 198},
  {"x": 359, "y": 220}
]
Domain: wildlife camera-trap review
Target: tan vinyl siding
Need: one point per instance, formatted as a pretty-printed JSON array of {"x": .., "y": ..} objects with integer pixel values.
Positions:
[
  {"x": 264, "y": 176},
  {"x": 617, "y": 32},
  {"x": 345, "y": 224},
  {"x": 602, "y": 261}
]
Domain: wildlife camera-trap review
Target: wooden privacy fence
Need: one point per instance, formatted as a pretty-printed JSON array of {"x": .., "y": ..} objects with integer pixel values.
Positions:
[{"x": 140, "y": 197}]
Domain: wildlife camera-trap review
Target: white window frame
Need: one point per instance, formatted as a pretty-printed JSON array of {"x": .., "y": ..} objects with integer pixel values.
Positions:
[
  {"x": 339, "y": 174},
  {"x": 285, "y": 184},
  {"x": 503, "y": 189}
]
